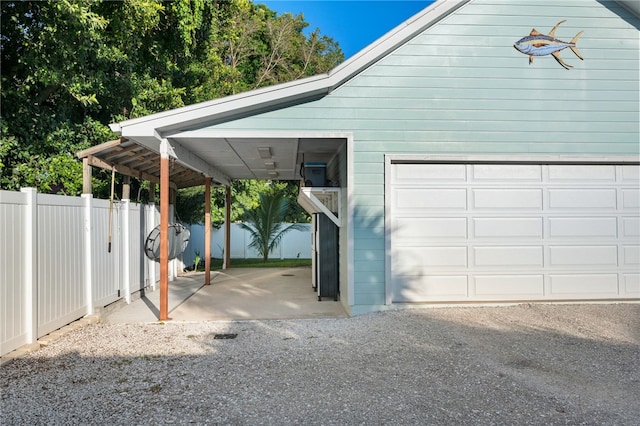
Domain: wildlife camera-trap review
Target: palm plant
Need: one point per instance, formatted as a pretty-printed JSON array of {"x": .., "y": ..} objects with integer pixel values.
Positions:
[{"x": 265, "y": 223}]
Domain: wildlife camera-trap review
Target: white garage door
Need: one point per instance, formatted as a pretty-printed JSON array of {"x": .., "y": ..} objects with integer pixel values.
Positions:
[{"x": 505, "y": 232}]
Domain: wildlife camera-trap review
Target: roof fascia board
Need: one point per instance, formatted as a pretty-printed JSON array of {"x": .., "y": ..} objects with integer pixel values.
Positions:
[
  {"x": 180, "y": 119},
  {"x": 632, "y": 6},
  {"x": 192, "y": 115},
  {"x": 258, "y": 134},
  {"x": 393, "y": 40}
]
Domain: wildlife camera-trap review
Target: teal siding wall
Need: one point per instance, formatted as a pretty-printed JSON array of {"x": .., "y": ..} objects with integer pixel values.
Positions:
[
  {"x": 339, "y": 167},
  {"x": 461, "y": 87}
]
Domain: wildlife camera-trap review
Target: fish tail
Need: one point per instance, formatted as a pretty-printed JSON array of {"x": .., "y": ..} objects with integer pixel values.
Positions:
[{"x": 573, "y": 46}]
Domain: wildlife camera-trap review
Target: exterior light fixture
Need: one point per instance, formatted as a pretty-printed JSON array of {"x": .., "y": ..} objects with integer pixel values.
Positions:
[{"x": 270, "y": 165}]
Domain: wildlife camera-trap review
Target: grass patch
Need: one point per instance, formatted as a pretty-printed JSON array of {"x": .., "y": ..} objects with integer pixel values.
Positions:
[{"x": 216, "y": 264}]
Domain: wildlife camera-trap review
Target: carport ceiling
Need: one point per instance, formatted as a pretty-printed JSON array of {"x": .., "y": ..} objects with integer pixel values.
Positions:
[
  {"x": 231, "y": 157},
  {"x": 259, "y": 157}
]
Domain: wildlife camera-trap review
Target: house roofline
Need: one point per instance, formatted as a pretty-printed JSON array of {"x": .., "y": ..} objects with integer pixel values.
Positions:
[{"x": 198, "y": 115}]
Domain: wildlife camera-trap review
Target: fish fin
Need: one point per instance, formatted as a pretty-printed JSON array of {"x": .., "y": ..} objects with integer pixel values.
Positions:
[
  {"x": 530, "y": 59},
  {"x": 534, "y": 32},
  {"x": 574, "y": 48},
  {"x": 553, "y": 31},
  {"x": 560, "y": 61}
]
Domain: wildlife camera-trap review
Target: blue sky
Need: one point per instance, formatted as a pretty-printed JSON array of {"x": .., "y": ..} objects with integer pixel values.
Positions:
[{"x": 354, "y": 24}]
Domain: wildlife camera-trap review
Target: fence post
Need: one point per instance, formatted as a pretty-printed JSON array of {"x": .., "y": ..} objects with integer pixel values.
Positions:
[
  {"x": 88, "y": 266},
  {"x": 126, "y": 258},
  {"x": 31, "y": 264}
]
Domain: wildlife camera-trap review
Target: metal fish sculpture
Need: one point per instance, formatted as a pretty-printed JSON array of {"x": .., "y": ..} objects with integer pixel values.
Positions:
[{"x": 537, "y": 44}]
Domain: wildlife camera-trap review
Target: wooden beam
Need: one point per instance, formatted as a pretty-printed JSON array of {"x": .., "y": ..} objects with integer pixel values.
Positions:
[
  {"x": 152, "y": 192},
  {"x": 126, "y": 188},
  {"x": 86, "y": 177},
  {"x": 99, "y": 148},
  {"x": 124, "y": 170},
  {"x": 207, "y": 231}
]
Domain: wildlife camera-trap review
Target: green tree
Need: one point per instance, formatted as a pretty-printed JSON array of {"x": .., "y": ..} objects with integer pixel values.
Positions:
[
  {"x": 70, "y": 67},
  {"x": 265, "y": 222}
]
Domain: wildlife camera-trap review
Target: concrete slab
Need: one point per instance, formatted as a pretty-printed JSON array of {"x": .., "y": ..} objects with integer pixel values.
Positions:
[{"x": 235, "y": 294}]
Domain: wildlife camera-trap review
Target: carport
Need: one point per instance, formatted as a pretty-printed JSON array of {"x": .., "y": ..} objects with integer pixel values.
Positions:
[{"x": 175, "y": 150}]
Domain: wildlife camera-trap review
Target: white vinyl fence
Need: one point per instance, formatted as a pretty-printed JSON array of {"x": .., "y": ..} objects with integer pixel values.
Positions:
[
  {"x": 294, "y": 244},
  {"x": 55, "y": 266}
]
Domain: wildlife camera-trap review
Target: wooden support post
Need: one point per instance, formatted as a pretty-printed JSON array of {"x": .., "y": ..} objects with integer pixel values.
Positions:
[
  {"x": 207, "y": 231},
  {"x": 227, "y": 229},
  {"x": 164, "y": 230},
  {"x": 126, "y": 188},
  {"x": 86, "y": 177},
  {"x": 152, "y": 192}
]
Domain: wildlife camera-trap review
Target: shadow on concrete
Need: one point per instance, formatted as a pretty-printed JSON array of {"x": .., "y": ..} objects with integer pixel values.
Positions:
[{"x": 235, "y": 294}]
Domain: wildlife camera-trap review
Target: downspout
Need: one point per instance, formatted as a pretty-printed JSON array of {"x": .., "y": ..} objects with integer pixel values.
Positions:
[
  {"x": 207, "y": 231},
  {"x": 227, "y": 229}
]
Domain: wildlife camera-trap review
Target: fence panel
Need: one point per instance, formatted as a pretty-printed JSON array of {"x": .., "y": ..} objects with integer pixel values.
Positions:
[
  {"x": 13, "y": 292},
  {"x": 61, "y": 287},
  {"x": 105, "y": 274},
  {"x": 55, "y": 264},
  {"x": 138, "y": 270},
  {"x": 294, "y": 244},
  {"x": 152, "y": 215}
]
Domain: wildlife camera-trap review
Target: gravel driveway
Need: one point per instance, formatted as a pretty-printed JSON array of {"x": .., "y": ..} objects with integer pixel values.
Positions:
[{"x": 527, "y": 364}]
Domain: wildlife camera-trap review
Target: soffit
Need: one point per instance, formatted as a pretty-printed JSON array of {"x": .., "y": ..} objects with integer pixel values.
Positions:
[
  {"x": 259, "y": 157},
  {"x": 248, "y": 157}
]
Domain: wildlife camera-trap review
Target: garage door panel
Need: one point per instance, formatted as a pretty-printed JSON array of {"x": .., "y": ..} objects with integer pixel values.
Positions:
[
  {"x": 630, "y": 199},
  {"x": 433, "y": 228},
  {"x": 413, "y": 288},
  {"x": 411, "y": 199},
  {"x": 578, "y": 199},
  {"x": 583, "y": 227},
  {"x": 583, "y": 255},
  {"x": 631, "y": 285},
  {"x": 513, "y": 232},
  {"x": 410, "y": 258},
  {"x": 512, "y": 287},
  {"x": 630, "y": 255},
  {"x": 415, "y": 174},
  {"x": 507, "y": 227},
  {"x": 518, "y": 199},
  {"x": 508, "y": 172},
  {"x": 574, "y": 286},
  {"x": 508, "y": 256},
  {"x": 630, "y": 174},
  {"x": 631, "y": 227},
  {"x": 582, "y": 173}
]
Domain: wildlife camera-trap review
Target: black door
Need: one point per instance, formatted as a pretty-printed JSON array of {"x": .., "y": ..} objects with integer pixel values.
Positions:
[{"x": 328, "y": 259}]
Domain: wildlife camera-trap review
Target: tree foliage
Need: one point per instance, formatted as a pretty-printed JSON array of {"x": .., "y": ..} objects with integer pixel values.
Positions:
[
  {"x": 265, "y": 222},
  {"x": 70, "y": 67},
  {"x": 246, "y": 197}
]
